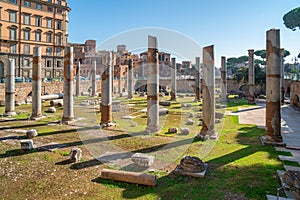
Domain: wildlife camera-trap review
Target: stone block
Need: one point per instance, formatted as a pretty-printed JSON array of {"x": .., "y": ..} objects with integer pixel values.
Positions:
[
  {"x": 190, "y": 122},
  {"x": 191, "y": 115},
  {"x": 132, "y": 124},
  {"x": 172, "y": 130},
  {"x": 188, "y": 105},
  {"x": 141, "y": 159},
  {"x": 165, "y": 103},
  {"x": 85, "y": 94},
  {"x": 217, "y": 121},
  {"x": 52, "y": 110},
  {"x": 184, "y": 131},
  {"x": 198, "y": 115},
  {"x": 219, "y": 115},
  {"x": 163, "y": 111},
  {"x": 85, "y": 103},
  {"x": 31, "y": 133},
  {"x": 26, "y": 144},
  {"x": 75, "y": 155},
  {"x": 116, "y": 106}
]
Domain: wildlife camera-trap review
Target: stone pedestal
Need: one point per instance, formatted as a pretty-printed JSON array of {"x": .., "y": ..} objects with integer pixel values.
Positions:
[
  {"x": 36, "y": 83},
  {"x": 273, "y": 108},
  {"x": 10, "y": 89},
  {"x": 153, "y": 86},
  {"x": 68, "y": 112},
  {"x": 251, "y": 77}
]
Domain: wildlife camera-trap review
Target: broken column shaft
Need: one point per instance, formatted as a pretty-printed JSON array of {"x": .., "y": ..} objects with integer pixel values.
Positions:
[
  {"x": 94, "y": 85},
  {"x": 106, "y": 93},
  {"x": 130, "y": 79},
  {"x": 68, "y": 112},
  {"x": 173, "y": 80},
  {"x": 251, "y": 78},
  {"x": 224, "y": 78},
  {"x": 36, "y": 83},
  {"x": 282, "y": 86},
  {"x": 273, "y": 110},
  {"x": 77, "y": 93},
  {"x": 197, "y": 80},
  {"x": 10, "y": 89},
  {"x": 152, "y": 86},
  {"x": 208, "y": 106}
]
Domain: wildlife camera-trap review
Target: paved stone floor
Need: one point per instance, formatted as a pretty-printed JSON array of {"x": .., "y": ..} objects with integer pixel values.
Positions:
[{"x": 290, "y": 130}]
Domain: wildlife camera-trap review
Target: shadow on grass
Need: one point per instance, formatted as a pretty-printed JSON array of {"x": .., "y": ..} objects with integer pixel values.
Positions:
[{"x": 23, "y": 126}]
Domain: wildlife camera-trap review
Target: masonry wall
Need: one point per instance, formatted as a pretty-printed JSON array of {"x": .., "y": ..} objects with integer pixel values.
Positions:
[{"x": 295, "y": 93}]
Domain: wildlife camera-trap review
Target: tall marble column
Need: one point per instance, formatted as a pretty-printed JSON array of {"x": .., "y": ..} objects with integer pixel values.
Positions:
[
  {"x": 10, "y": 89},
  {"x": 130, "y": 79},
  {"x": 106, "y": 93},
  {"x": 273, "y": 108},
  {"x": 77, "y": 93},
  {"x": 153, "y": 86},
  {"x": 251, "y": 77},
  {"x": 68, "y": 112},
  {"x": 224, "y": 78},
  {"x": 208, "y": 105},
  {"x": 282, "y": 88},
  {"x": 94, "y": 85},
  {"x": 37, "y": 83},
  {"x": 173, "y": 80},
  {"x": 197, "y": 80}
]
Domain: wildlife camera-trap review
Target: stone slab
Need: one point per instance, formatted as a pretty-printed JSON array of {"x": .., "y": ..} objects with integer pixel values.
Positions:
[
  {"x": 270, "y": 197},
  {"x": 195, "y": 175}
]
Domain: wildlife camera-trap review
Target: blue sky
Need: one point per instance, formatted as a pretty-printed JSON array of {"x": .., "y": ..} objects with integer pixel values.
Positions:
[{"x": 233, "y": 26}]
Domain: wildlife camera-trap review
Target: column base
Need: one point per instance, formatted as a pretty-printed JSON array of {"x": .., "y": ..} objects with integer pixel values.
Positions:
[
  {"x": 67, "y": 120},
  {"x": 37, "y": 117},
  {"x": 10, "y": 114},
  {"x": 265, "y": 140},
  {"x": 208, "y": 135},
  {"x": 152, "y": 129}
]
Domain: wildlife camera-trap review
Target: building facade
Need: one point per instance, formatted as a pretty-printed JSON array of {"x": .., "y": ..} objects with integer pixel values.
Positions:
[{"x": 25, "y": 24}]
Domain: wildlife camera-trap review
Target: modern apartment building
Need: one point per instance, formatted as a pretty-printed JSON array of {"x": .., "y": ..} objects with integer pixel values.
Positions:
[{"x": 25, "y": 24}]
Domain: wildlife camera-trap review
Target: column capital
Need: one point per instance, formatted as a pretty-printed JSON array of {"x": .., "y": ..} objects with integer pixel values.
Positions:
[{"x": 251, "y": 52}]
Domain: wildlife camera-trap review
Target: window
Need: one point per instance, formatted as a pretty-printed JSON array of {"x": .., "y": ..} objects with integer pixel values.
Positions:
[
  {"x": 13, "y": 33},
  {"x": 49, "y": 37},
  {"x": 48, "y": 63},
  {"x": 58, "y": 63},
  {"x": 49, "y": 51},
  {"x": 38, "y": 36},
  {"x": 27, "y": 19},
  {"x": 27, "y": 3},
  {"x": 50, "y": 1},
  {"x": 27, "y": 34},
  {"x": 59, "y": 11},
  {"x": 12, "y": 16},
  {"x": 49, "y": 23},
  {"x": 58, "y": 39},
  {"x": 58, "y": 51},
  {"x": 59, "y": 2},
  {"x": 38, "y": 21},
  {"x": 26, "y": 49},
  {"x": 58, "y": 25},
  {"x": 39, "y": 6},
  {"x": 26, "y": 63},
  {"x": 12, "y": 1},
  {"x": 50, "y": 9},
  {"x": 13, "y": 48}
]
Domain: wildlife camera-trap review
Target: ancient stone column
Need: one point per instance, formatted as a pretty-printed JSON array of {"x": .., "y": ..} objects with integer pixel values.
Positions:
[
  {"x": 251, "y": 77},
  {"x": 106, "y": 93},
  {"x": 10, "y": 89},
  {"x": 282, "y": 86},
  {"x": 77, "y": 94},
  {"x": 130, "y": 79},
  {"x": 273, "y": 110},
  {"x": 173, "y": 80},
  {"x": 68, "y": 113},
  {"x": 36, "y": 83},
  {"x": 208, "y": 105},
  {"x": 224, "y": 78},
  {"x": 197, "y": 80},
  {"x": 153, "y": 86},
  {"x": 94, "y": 85}
]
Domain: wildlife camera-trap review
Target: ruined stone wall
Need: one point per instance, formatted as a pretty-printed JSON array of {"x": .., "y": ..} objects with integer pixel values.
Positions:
[{"x": 295, "y": 93}]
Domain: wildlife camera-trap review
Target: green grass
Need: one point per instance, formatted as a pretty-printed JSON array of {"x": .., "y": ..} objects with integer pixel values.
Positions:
[{"x": 239, "y": 166}]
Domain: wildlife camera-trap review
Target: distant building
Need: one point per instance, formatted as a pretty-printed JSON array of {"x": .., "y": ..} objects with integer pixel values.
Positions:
[{"x": 30, "y": 23}]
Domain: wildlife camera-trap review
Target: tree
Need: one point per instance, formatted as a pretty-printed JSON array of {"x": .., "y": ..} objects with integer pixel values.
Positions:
[
  {"x": 261, "y": 53},
  {"x": 241, "y": 75},
  {"x": 291, "y": 19},
  {"x": 286, "y": 53},
  {"x": 298, "y": 55}
]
